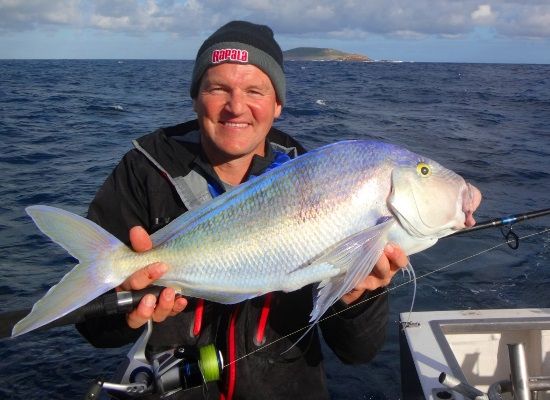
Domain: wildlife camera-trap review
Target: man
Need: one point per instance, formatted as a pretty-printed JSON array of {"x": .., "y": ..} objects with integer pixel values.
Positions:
[{"x": 238, "y": 90}]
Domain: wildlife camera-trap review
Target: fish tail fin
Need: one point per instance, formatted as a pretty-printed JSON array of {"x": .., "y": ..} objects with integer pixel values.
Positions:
[
  {"x": 355, "y": 257},
  {"x": 93, "y": 276}
]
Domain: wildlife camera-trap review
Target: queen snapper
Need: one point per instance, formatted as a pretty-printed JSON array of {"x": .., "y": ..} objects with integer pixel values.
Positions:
[{"x": 323, "y": 217}]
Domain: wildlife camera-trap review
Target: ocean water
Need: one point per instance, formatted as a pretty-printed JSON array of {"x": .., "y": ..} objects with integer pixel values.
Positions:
[{"x": 65, "y": 124}]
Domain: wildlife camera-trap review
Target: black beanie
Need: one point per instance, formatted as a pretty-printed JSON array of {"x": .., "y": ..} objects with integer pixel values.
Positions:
[{"x": 246, "y": 43}]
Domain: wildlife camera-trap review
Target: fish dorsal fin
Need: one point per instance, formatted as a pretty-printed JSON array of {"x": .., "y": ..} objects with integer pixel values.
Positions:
[
  {"x": 218, "y": 204},
  {"x": 226, "y": 200}
]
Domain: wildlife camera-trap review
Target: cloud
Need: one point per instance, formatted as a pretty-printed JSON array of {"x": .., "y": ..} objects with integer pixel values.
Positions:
[
  {"x": 17, "y": 15},
  {"x": 527, "y": 20},
  {"x": 319, "y": 18},
  {"x": 136, "y": 16},
  {"x": 483, "y": 14}
]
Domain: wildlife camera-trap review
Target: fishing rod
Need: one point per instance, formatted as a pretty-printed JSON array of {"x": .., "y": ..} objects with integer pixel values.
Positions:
[
  {"x": 198, "y": 365},
  {"x": 509, "y": 220},
  {"x": 511, "y": 238},
  {"x": 109, "y": 303},
  {"x": 123, "y": 302}
]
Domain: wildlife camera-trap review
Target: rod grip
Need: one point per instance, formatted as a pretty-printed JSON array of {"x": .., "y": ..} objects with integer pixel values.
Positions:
[{"x": 107, "y": 304}]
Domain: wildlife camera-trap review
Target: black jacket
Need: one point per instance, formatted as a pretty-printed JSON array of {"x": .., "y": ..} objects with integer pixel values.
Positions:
[{"x": 137, "y": 193}]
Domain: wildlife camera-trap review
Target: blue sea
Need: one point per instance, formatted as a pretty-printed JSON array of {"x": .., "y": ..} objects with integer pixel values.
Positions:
[{"x": 65, "y": 124}]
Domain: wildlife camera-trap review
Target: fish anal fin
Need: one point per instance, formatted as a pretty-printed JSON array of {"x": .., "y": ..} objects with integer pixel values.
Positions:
[{"x": 222, "y": 295}]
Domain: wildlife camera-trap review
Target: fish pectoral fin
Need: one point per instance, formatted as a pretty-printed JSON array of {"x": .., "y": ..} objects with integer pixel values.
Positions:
[
  {"x": 355, "y": 257},
  {"x": 412, "y": 278}
]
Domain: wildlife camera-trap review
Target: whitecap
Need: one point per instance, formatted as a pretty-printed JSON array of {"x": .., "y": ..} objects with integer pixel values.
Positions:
[{"x": 321, "y": 102}]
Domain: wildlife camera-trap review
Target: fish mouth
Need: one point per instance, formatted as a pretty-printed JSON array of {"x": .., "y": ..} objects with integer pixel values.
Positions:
[
  {"x": 468, "y": 202},
  {"x": 420, "y": 223},
  {"x": 471, "y": 199}
]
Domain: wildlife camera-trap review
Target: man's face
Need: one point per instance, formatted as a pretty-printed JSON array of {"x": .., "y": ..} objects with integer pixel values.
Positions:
[{"x": 236, "y": 106}]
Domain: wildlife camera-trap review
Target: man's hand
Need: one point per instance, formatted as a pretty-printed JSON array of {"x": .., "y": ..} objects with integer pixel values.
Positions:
[
  {"x": 391, "y": 261},
  {"x": 168, "y": 303}
]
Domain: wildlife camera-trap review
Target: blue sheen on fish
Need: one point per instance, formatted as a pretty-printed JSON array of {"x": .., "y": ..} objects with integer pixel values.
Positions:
[{"x": 322, "y": 218}]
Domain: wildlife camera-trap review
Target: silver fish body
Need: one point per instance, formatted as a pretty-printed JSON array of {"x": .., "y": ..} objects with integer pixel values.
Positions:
[{"x": 323, "y": 217}]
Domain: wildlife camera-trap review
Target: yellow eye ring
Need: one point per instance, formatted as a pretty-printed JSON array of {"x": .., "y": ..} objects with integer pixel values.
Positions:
[{"x": 423, "y": 169}]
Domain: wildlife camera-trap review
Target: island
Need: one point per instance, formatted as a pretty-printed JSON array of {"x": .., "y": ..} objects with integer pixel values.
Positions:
[{"x": 322, "y": 54}]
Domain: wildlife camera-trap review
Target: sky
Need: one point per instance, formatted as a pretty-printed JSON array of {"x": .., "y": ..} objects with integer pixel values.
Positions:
[{"x": 487, "y": 31}]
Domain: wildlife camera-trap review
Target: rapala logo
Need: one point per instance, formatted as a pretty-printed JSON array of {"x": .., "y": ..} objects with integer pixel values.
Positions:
[{"x": 222, "y": 55}]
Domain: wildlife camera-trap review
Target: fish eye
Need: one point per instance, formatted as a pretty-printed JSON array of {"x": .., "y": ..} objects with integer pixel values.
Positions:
[{"x": 423, "y": 169}]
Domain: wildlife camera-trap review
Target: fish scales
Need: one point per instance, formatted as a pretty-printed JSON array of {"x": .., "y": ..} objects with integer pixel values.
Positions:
[
  {"x": 324, "y": 216},
  {"x": 261, "y": 237}
]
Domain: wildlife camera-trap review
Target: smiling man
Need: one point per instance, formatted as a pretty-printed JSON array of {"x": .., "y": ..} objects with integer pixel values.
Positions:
[
  {"x": 236, "y": 106},
  {"x": 238, "y": 90}
]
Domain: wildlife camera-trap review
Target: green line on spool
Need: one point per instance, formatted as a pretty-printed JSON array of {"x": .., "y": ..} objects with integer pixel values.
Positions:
[{"x": 208, "y": 363}]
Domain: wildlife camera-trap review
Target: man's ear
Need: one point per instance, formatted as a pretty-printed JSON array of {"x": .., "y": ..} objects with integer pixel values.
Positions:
[
  {"x": 278, "y": 110},
  {"x": 195, "y": 105}
]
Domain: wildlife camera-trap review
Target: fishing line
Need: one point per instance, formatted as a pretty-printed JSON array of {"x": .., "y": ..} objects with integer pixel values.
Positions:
[{"x": 413, "y": 279}]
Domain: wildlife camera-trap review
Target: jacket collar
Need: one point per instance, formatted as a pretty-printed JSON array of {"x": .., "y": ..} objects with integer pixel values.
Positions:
[{"x": 177, "y": 148}]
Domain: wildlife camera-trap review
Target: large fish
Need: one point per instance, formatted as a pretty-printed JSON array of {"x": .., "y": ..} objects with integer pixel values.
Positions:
[{"x": 322, "y": 217}]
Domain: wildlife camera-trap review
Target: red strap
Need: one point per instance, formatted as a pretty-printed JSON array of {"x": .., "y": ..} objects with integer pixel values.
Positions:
[
  {"x": 232, "y": 347},
  {"x": 199, "y": 311},
  {"x": 232, "y": 365},
  {"x": 260, "y": 332}
]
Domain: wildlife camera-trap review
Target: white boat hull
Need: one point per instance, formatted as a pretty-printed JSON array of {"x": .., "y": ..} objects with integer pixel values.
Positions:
[{"x": 470, "y": 345}]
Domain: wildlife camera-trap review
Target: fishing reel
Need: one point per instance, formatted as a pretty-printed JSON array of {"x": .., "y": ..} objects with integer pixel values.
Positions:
[{"x": 163, "y": 374}]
